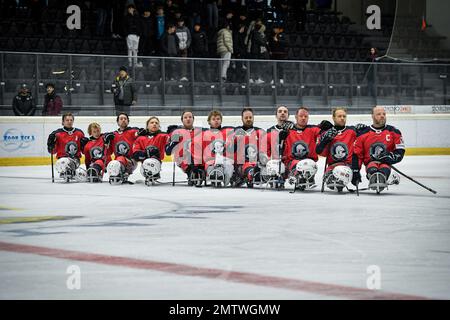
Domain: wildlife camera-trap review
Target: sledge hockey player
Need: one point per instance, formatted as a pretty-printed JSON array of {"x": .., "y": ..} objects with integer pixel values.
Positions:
[
  {"x": 337, "y": 145},
  {"x": 300, "y": 155},
  {"x": 272, "y": 168},
  {"x": 248, "y": 141},
  {"x": 120, "y": 144},
  {"x": 66, "y": 143},
  {"x": 186, "y": 145},
  {"x": 149, "y": 148},
  {"x": 96, "y": 153},
  {"x": 378, "y": 146},
  {"x": 217, "y": 151}
]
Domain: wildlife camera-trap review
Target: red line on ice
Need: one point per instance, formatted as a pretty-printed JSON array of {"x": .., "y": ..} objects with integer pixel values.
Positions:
[{"x": 232, "y": 276}]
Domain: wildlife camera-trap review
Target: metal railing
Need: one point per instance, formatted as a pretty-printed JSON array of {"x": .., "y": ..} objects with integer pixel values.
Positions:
[{"x": 168, "y": 84}]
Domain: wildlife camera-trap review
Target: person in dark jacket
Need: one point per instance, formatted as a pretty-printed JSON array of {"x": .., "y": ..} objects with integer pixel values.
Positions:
[
  {"x": 258, "y": 50},
  {"x": 373, "y": 57},
  {"x": 199, "y": 42},
  {"x": 124, "y": 91},
  {"x": 170, "y": 48},
  {"x": 23, "y": 103},
  {"x": 146, "y": 43},
  {"x": 133, "y": 31},
  {"x": 52, "y": 102},
  {"x": 240, "y": 52},
  {"x": 278, "y": 49}
]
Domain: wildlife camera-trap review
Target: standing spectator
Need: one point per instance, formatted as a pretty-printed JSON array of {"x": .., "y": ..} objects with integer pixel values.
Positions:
[
  {"x": 298, "y": 9},
  {"x": 240, "y": 52},
  {"x": 160, "y": 25},
  {"x": 117, "y": 18},
  {"x": 212, "y": 13},
  {"x": 171, "y": 9},
  {"x": 281, "y": 11},
  {"x": 195, "y": 13},
  {"x": 373, "y": 57},
  {"x": 146, "y": 42},
  {"x": 170, "y": 48},
  {"x": 124, "y": 91},
  {"x": 184, "y": 44},
  {"x": 278, "y": 49},
  {"x": 23, "y": 103},
  {"x": 257, "y": 43},
  {"x": 102, "y": 15},
  {"x": 225, "y": 48},
  {"x": 52, "y": 102},
  {"x": 199, "y": 42},
  {"x": 229, "y": 18},
  {"x": 133, "y": 31}
]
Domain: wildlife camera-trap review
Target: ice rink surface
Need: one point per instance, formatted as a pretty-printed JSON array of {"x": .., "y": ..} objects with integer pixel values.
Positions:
[{"x": 164, "y": 242}]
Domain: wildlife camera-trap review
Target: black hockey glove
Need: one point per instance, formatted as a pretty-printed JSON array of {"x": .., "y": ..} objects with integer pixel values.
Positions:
[
  {"x": 283, "y": 135},
  {"x": 51, "y": 142},
  {"x": 142, "y": 132},
  {"x": 108, "y": 137},
  {"x": 360, "y": 126},
  {"x": 152, "y": 152},
  {"x": 287, "y": 125},
  {"x": 83, "y": 142},
  {"x": 171, "y": 128},
  {"x": 325, "y": 125},
  {"x": 330, "y": 134},
  {"x": 389, "y": 158}
]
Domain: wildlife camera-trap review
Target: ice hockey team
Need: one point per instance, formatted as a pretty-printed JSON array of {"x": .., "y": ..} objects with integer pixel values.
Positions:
[{"x": 246, "y": 155}]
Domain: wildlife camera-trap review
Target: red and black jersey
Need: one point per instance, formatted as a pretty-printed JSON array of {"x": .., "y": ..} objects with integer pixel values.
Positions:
[
  {"x": 189, "y": 148},
  {"x": 301, "y": 144},
  {"x": 218, "y": 141},
  {"x": 158, "y": 140},
  {"x": 248, "y": 142},
  {"x": 340, "y": 149},
  {"x": 123, "y": 141},
  {"x": 273, "y": 141},
  {"x": 95, "y": 150},
  {"x": 373, "y": 142},
  {"x": 68, "y": 142}
]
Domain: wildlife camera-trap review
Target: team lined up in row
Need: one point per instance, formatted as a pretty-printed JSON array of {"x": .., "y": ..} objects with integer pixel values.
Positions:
[{"x": 235, "y": 156}]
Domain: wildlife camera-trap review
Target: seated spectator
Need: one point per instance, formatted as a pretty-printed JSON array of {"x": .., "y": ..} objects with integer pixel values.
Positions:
[
  {"x": 52, "y": 102},
  {"x": 23, "y": 103}
]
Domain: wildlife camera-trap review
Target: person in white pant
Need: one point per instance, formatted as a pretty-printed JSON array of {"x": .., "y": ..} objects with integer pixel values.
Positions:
[
  {"x": 225, "y": 48},
  {"x": 133, "y": 29}
]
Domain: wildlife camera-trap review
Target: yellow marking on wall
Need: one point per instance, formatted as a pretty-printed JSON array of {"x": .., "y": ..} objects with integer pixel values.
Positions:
[{"x": 2, "y": 208}]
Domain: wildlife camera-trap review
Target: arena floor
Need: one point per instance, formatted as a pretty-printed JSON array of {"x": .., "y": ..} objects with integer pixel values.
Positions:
[{"x": 164, "y": 242}]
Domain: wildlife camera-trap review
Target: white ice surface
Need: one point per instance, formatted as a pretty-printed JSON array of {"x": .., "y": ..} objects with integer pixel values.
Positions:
[{"x": 328, "y": 238}]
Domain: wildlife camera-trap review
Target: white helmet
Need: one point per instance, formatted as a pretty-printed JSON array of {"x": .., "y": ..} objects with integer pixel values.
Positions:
[
  {"x": 273, "y": 167},
  {"x": 80, "y": 175},
  {"x": 343, "y": 174},
  {"x": 306, "y": 168},
  {"x": 114, "y": 168},
  {"x": 62, "y": 165},
  {"x": 150, "y": 166},
  {"x": 394, "y": 178}
]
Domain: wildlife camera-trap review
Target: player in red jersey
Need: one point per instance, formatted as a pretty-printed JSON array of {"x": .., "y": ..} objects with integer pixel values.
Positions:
[
  {"x": 218, "y": 150},
  {"x": 271, "y": 168},
  {"x": 249, "y": 141},
  {"x": 66, "y": 143},
  {"x": 120, "y": 144},
  {"x": 96, "y": 153},
  {"x": 149, "y": 148},
  {"x": 300, "y": 155},
  {"x": 337, "y": 145},
  {"x": 378, "y": 146},
  {"x": 186, "y": 146}
]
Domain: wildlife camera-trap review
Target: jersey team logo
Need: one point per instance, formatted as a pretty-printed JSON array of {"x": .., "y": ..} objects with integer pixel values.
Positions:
[
  {"x": 339, "y": 151},
  {"x": 376, "y": 150},
  {"x": 217, "y": 146},
  {"x": 251, "y": 153},
  {"x": 300, "y": 150},
  {"x": 122, "y": 148},
  {"x": 96, "y": 153},
  {"x": 71, "y": 149}
]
